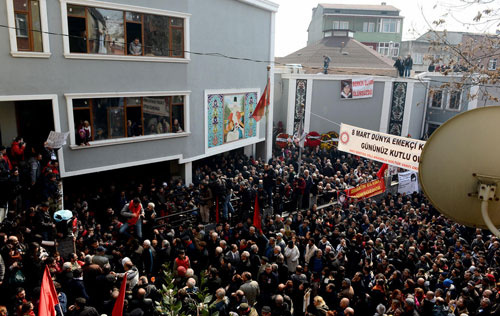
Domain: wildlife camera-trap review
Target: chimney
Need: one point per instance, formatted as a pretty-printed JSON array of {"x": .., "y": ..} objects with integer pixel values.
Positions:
[{"x": 384, "y": 3}]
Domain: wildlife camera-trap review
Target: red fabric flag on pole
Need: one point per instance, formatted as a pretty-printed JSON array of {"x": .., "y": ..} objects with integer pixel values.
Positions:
[
  {"x": 260, "y": 109},
  {"x": 48, "y": 296},
  {"x": 217, "y": 210},
  {"x": 257, "y": 221},
  {"x": 380, "y": 173},
  {"x": 118, "y": 308}
]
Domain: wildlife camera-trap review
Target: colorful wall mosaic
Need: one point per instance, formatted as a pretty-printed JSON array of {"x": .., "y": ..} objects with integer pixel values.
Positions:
[{"x": 229, "y": 118}]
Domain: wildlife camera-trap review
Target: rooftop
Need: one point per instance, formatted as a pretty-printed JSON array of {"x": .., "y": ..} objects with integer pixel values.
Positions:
[
  {"x": 369, "y": 7},
  {"x": 352, "y": 58}
]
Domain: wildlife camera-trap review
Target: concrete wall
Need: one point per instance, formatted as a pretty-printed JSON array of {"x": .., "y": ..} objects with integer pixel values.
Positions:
[
  {"x": 417, "y": 109},
  {"x": 8, "y": 126},
  {"x": 225, "y": 26},
  {"x": 280, "y": 99},
  {"x": 315, "y": 30},
  {"x": 327, "y": 104}
]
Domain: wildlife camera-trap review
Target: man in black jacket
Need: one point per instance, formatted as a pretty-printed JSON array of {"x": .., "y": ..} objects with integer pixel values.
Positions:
[
  {"x": 81, "y": 309},
  {"x": 43, "y": 222}
]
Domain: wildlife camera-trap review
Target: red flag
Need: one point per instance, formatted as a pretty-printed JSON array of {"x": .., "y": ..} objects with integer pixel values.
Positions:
[
  {"x": 118, "y": 308},
  {"x": 260, "y": 109},
  {"x": 48, "y": 296},
  {"x": 257, "y": 221},
  {"x": 380, "y": 173},
  {"x": 217, "y": 210}
]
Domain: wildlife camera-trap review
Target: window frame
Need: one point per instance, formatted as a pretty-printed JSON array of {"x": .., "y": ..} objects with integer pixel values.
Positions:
[
  {"x": 125, "y": 8},
  {"x": 11, "y": 21},
  {"x": 397, "y": 25},
  {"x": 492, "y": 61},
  {"x": 341, "y": 24},
  {"x": 419, "y": 59},
  {"x": 392, "y": 48},
  {"x": 124, "y": 140},
  {"x": 431, "y": 97},
  {"x": 383, "y": 46},
  {"x": 368, "y": 24},
  {"x": 448, "y": 100}
]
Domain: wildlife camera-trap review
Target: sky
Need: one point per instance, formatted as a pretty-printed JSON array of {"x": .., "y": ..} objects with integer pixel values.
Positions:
[{"x": 293, "y": 18}]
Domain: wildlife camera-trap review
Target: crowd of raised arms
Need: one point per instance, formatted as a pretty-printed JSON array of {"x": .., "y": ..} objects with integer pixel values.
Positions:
[{"x": 388, "y": 255}]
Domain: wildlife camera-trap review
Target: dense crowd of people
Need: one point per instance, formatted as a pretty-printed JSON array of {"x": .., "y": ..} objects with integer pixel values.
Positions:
[{"x": 388, "y": 255}]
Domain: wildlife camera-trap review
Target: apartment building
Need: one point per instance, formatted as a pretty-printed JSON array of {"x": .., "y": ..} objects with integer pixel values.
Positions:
[
  {"x": 139, "y": 76},
  {"x": 377, "y": 26}
]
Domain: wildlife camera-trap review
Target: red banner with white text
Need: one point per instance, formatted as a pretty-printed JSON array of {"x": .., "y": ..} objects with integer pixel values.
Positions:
[{"x": 367, "y": 190}]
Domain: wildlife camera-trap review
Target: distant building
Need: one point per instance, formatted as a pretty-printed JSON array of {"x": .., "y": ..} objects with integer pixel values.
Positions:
[
  {"x": 377, "y": 26},
  {"x": 348, "y": 56},
  {"x": 428, "y": 49},
  {"x": 448, "y": 95}
]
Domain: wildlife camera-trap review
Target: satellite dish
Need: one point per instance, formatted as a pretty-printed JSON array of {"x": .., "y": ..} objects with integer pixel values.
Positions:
[{"x": 460, "y": 168}]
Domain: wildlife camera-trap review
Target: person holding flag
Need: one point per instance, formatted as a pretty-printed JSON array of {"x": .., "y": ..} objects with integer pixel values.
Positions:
[
  {"x": 120, "y": 300},
  {"x": 48, "y": 296},
  {"x": 257, "y": 218}
]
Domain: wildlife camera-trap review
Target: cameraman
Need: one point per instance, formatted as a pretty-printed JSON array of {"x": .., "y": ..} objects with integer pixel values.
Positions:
[{"x": 17, "y": 151}]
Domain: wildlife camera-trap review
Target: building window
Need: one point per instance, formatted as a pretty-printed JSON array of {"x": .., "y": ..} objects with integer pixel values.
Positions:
[
  {"x": 418, "y": 58},
  {"x": 27, "y": 21},
  {"x": 368, "y": 27},
  {"x": 112, "y": 31},
  {"x": 436, "y": 99},
  {"x": 121, "y": 117},
  {"x": 118, "y": 32},
  {"x": 340, "y": 25},
  {"x": 492, "y": 64},
  {"x": 390, "y": 49},
  {"x": 328, "y": 34},
  {"x": 454, "y": 99},
  {"x": 390, "y": 25}
]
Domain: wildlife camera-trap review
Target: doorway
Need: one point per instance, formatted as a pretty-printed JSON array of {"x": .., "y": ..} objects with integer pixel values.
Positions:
[{"x": 35, "y": 120}]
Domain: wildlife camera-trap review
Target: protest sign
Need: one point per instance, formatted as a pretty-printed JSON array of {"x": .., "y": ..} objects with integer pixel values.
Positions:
[
  {"x": 393, "y": 170},
  {"x": 56, "y": 140},
  {"x": 155, "y": 106},
  {"x": 356, "y": 88},
  {"x": 390, "y": 149},
  {"x": 367, "y": 190},
  {"x": 408, "y": 182}
]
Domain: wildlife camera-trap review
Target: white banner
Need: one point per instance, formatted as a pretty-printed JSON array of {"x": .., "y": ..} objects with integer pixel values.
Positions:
[
  {"x": 393, "y": 150},
  {"x": 56, "y": 140},
  {"x": 155, "y": 106},
  {"x": 356, "y": 88},
  {"x": 408, "y": 182}
]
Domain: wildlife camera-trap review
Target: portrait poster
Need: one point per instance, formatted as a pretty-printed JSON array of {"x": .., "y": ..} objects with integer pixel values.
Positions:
[
  {"x": 346, "y": 89},
  {"x": 234, "y": 117},
  {"x": 356, "y": 88},
  {"x": 408, "y": 182}
]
